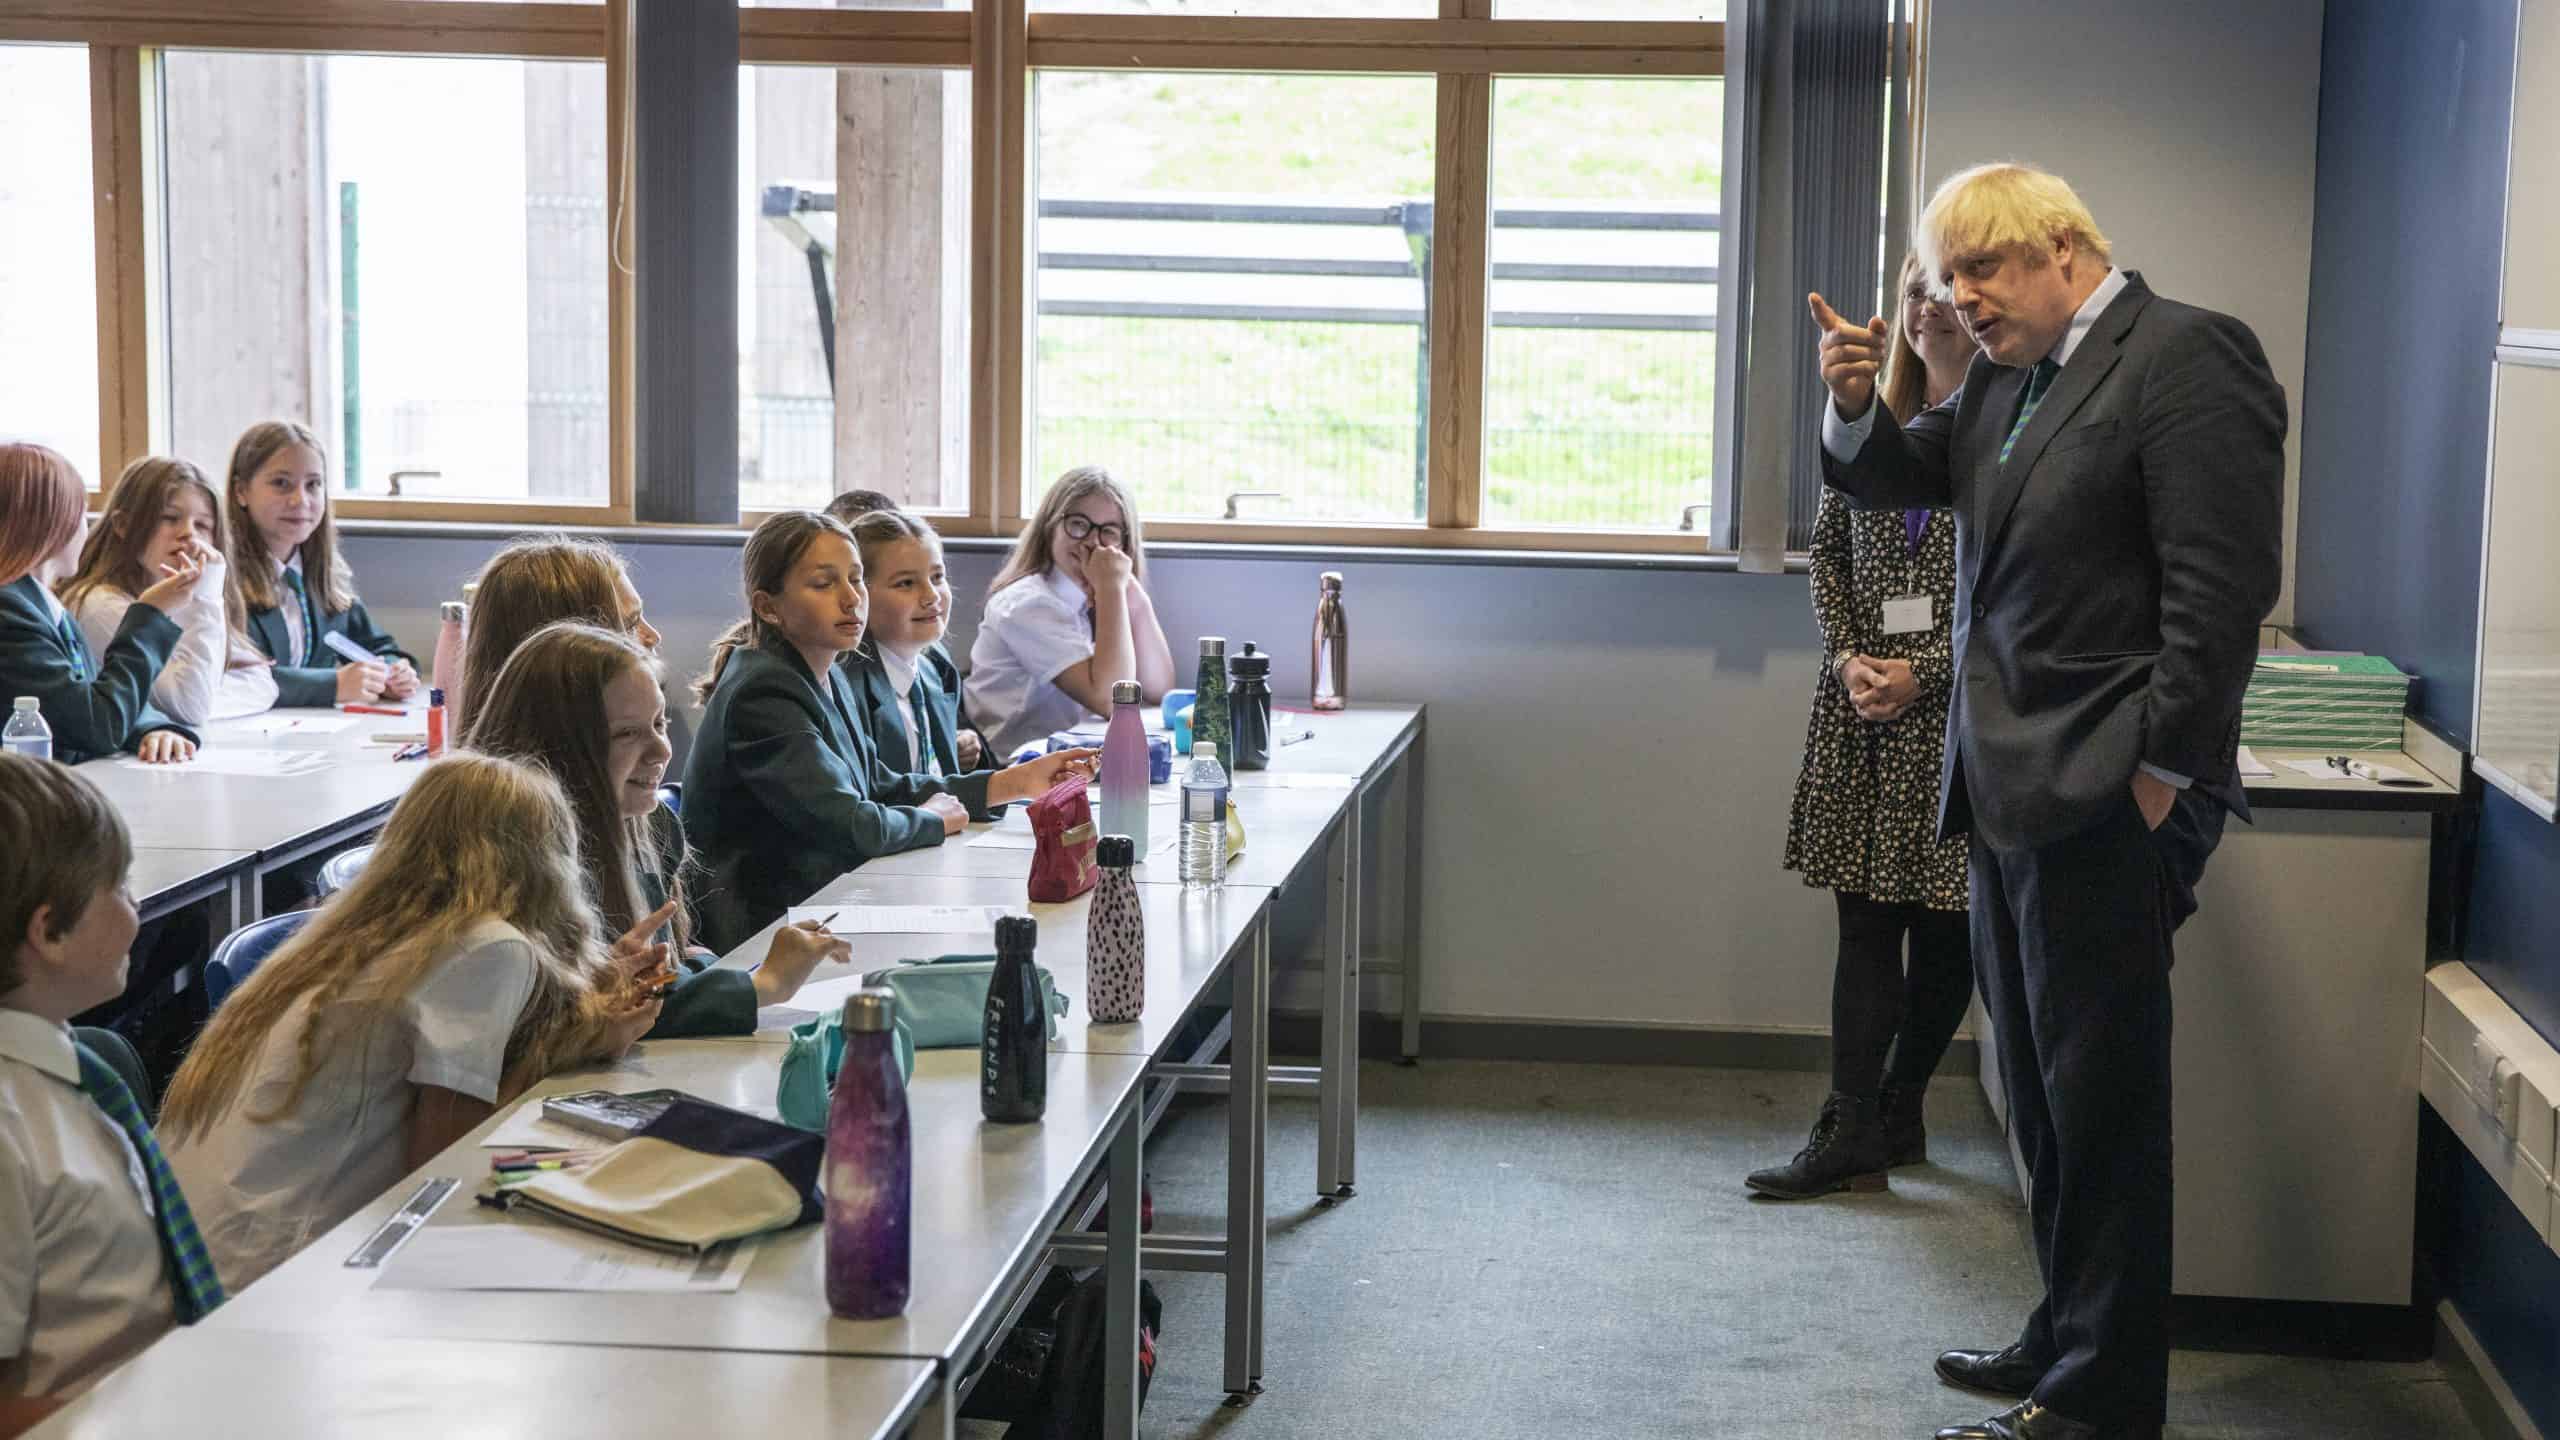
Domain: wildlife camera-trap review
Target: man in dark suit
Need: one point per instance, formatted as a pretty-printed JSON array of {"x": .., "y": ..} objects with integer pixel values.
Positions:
[{"x": 2116, "y": 468}]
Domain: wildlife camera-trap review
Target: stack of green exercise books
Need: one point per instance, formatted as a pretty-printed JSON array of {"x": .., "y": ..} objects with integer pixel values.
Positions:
[{"x": 2324, "y": 702}]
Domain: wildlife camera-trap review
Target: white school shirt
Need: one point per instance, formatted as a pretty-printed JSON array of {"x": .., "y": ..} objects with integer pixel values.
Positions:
[
  {"x": 199, "y": 683},
  {"x": 82, "y": 1282},
  {"x": 262, "y": 1189},
  {"x": 1035, "y": 629},
  {"x": 901, "y": 671}
]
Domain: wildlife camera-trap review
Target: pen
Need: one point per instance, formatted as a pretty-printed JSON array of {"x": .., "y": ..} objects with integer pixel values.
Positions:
[
  {"x": 417, "y": 751},
  {"x": 371, "y": 710}
]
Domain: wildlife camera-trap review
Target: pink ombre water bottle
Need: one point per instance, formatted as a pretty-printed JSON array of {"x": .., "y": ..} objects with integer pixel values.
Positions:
[{"x": 1124, "y": 767}]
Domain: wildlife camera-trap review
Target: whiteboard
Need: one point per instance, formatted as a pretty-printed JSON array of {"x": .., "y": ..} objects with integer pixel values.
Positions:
[
  {"x": 2516, "y": 726},
  {"x": 2532, "y": 298}
]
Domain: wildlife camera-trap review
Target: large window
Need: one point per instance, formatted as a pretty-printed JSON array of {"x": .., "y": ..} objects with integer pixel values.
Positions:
[
  {"x": 1350, "y": 272},
  {"x": 48, "y": 257},
  {"x": 853, "y": 313},
  {"x": 1232, "y": 290},
  {"x": 408, "y": 254},
  {"x": 1600, "y": 367}
]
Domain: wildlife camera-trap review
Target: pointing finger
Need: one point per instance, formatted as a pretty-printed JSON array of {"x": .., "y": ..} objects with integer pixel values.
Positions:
[{"x": 1823, "y": 314}]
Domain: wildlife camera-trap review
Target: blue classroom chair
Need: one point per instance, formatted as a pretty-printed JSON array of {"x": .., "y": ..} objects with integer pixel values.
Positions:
[
  {"x": 244, "y": 950},
  {"x": 671, "y": 795},
  {"x": 342, "y": 868}
]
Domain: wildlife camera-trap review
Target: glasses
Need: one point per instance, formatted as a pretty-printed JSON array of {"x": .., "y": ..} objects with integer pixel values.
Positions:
[{"x": 1079, "y": 527}]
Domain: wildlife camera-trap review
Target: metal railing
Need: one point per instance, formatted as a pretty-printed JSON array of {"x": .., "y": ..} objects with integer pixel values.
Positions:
[{"x": 790, "y": 209}]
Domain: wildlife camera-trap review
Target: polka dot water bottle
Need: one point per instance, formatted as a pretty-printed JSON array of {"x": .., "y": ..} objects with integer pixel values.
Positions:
[{"x": 1115, "y": 937}]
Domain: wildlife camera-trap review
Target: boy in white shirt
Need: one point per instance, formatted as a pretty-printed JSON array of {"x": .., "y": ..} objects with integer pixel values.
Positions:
[{"x": 98, "y": 1253}]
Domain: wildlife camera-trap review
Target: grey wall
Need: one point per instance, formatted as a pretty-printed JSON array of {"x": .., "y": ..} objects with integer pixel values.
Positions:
[{"x": 2189, "y": 126}]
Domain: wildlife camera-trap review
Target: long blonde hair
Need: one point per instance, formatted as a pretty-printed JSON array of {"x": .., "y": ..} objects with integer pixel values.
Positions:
[
  {"x": 253, "y": 567},
  {"x": 475, "y": 837},
  {"x": 536, "y": 581},
  {"x": 546, "y": 706},
  {"x": 112, "y": 557},
  {"x": 764, "y": 568},
  {"x": 1035, "y": 552}
]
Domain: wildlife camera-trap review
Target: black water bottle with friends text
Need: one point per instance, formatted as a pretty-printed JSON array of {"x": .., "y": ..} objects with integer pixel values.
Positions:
[{"x": 1013, "y": 1046}]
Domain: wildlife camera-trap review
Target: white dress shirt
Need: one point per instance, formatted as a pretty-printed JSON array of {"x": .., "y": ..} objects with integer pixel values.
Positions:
[
  {"x": 262, "y": 1189},
  {"x": 1035, "y": 629},
  {"x": 901, "y": 671},
  {"x": 82, "y": 1281}
]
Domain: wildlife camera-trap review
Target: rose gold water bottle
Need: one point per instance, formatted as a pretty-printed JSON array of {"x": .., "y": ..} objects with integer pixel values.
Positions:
[{"x": 1329, "y": 679}]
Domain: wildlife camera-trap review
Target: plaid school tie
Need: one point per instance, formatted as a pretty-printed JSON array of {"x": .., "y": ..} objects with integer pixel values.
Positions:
[
  {"x": 2039, "y": 380},
  {"x": 192, "y": 1283},
  {"x": 78, "y": 647},
  {"x": 311, "y": 621}
]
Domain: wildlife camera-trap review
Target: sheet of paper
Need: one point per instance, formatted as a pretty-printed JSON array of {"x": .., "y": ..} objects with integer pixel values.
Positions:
[
  {"x": 999, "y": 838},
  {"x": 2253, "y": 768},
  {"x": 850, "y": 919},
  {"x": 531, "y": 1254},
  {"x": 241, "y": 760},
  {"x": 288, "y": 722},
  {"x": 525, "y": 1129},
  {"x": 1278, "y": 780}
]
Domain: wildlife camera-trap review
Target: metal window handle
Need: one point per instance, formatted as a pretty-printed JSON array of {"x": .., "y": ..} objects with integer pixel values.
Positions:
[
  {"x": 1233, "y": 496},
  {"x": 399, "y": 475},
  {"x": 1689, "y": 516}
]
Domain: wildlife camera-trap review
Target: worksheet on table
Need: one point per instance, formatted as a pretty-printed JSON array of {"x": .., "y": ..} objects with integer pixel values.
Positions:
[{"x": 527, "y": 1254}]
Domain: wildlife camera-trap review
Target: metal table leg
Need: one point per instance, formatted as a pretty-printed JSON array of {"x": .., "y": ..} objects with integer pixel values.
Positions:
[
  {"x": 1120, "y": 1285},
  {"x": 940, "y": 1417},
  {"x": 1248, "y": 1080},
  {"x": 1338, "y": 1063},
  {"x": 1409, "y": 896}
]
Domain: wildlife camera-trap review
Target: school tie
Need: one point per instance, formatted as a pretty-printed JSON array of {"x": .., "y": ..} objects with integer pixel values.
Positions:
[
  {"x": 311, "y": 622},
  {"x": 2039, "y": 380},
  {"x": 192, "y": 1283},
  {"x": 78, "y": 647},
  {"x": 927, "y": 760}
]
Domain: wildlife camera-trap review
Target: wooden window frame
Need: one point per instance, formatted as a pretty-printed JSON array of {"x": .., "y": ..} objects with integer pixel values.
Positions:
[{"x": 1001, "y": 43}]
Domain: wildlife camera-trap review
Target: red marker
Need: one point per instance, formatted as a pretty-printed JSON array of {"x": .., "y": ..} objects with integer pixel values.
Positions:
[{"x": 371, "y": 710}]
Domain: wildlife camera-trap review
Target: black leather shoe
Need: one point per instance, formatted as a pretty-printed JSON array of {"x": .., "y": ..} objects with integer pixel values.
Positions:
[
  {"x": 2011, "y": 1372},
  {"x": 2029, "y": 1421}
]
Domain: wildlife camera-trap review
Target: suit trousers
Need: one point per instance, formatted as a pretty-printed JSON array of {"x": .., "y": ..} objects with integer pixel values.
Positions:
[{"x": 2071, "y": 946}]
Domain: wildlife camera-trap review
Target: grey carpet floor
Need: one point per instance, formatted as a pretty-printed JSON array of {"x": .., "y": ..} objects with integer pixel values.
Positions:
[{"x": 1567, "y": 1251}]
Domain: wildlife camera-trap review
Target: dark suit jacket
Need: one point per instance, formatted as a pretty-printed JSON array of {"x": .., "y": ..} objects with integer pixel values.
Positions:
[
  {"x": 111, "y": 711},
  {"x": 880, "y": 711},
  {"x": 317, "y": 684},
  {"x": 2110, "y": 575},
  {"x": 783, "y": 792},
  {"x": 707, "y": 1000}
]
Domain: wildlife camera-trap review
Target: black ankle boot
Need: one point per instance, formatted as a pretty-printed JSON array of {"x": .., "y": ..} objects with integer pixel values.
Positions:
[
  {"x": 1845, "y": 1153},
  {"x": 1906, "y": 1138}
]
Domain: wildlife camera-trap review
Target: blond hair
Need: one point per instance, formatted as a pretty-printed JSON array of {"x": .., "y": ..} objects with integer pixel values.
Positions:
[
  {"x": 535, "y": 581},
  {"x": 476, "y": 836},
  {"x": 2004, "y": 206},
  {"x": 1036, "y": 551}
]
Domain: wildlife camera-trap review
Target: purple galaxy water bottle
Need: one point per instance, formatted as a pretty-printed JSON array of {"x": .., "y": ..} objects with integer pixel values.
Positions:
[{"x": 870, "y": 1175}]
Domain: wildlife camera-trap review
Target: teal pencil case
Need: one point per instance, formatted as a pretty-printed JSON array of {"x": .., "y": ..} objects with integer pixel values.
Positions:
[
  {"x": 810, "y": 1059},
  {"x": 942, "y": 1003}
]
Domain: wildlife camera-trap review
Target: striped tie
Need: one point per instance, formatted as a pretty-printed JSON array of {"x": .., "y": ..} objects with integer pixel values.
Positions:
[
  {"x": 192, "y": 1283},
  {"x": 2039, "y": 380}
]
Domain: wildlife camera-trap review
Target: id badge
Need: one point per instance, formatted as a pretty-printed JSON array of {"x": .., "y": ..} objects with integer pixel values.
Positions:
[{"x": 1908, "y": 613}]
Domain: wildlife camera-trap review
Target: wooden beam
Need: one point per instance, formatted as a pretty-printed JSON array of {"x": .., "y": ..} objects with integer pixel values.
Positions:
[
  {"x": 1449, "y": 45},
  {"x": 132, "y": 360},
  {"x": 621, "y": 453},
  {"x": 1000, "y": 314},
  {"x": 1460, "y": 232},
  {"x": 917, "y": 38},
  {"x": 395, "y": 27},
  {"x": 548, "y": 515}
]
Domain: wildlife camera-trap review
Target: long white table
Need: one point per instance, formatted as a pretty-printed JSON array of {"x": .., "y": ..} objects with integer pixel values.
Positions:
[
  {"x": 163, "y": 880},
  {"x": 1195, "y": 941},
  {"x": 1305, "y": 822},
  {"x": 989, "y": 1200},
  {"x": 216, "y": 1383},
  {"x": 273, "y": 822}
]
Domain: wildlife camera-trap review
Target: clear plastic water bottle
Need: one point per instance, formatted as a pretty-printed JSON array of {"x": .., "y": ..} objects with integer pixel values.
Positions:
[
  {"x": 27, "y": 734},
  {"x": 1204, "y": 820}
]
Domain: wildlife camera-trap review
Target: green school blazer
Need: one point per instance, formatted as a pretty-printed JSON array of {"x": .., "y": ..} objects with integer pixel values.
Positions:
[
  {"x": 784, "y": 792},
  {"x": 311, "y": 678},
  {"x": 877, "y": 707},
  {"x": 108, "y": 711},
  {"x": 708, "y": 1000}
]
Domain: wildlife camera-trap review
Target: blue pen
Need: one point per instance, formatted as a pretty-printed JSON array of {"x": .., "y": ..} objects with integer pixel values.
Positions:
[{"x": 411, "y": 752}]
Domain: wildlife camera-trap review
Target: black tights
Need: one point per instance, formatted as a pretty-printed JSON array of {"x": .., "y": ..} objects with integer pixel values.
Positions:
[{"x": 1878, "y": 1007}]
